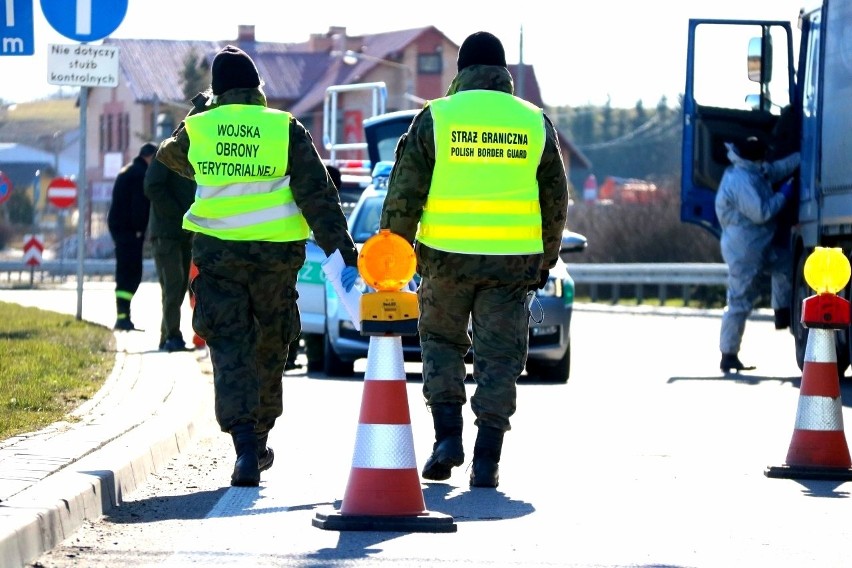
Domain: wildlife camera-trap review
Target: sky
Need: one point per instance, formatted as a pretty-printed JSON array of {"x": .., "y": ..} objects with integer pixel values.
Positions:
[{"x": 584, "y": 53}]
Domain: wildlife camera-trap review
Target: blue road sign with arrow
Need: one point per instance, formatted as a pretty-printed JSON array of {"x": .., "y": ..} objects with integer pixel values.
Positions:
[
  {"x": 84, "y": 20},
  {"x": 16, "y": 34}
]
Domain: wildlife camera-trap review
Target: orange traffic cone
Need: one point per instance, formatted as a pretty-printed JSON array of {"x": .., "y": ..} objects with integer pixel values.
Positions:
[
  {"x": 383, "y": 492},
  {"x": 818, "y": 449},
  {"x": 197, "y": 340}
]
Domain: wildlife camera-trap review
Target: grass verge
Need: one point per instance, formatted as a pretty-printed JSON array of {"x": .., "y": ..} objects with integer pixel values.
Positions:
[{"x": 49, "y": 364}]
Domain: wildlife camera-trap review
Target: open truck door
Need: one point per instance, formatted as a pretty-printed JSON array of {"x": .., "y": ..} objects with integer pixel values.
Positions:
[{"x": 739, "y": 77}]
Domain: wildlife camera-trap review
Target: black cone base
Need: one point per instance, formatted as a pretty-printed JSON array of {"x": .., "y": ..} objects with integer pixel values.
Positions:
[{"x": 426, "y": 522}]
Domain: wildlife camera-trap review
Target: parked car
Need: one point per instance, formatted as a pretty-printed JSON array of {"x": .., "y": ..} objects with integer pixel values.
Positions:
[
  {"x": 381, "y": 133},
  {"x": 332, "y": 341},
  {"x": 549, "y": 356}
]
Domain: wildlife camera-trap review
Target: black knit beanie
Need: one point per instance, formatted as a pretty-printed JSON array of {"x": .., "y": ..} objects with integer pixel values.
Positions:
[
  {"x": 147, "y": 149},
  {"x": 752, "y": 149},
  {"x": 233, "y": 69},
  {"x": 481, "y": 48}
]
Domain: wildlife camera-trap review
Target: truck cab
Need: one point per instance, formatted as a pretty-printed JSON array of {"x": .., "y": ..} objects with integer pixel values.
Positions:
[{"x": 743, "y": 80}]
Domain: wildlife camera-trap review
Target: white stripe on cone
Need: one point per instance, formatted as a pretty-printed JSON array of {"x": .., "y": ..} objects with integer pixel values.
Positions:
[{"x": 373, "y": 437}]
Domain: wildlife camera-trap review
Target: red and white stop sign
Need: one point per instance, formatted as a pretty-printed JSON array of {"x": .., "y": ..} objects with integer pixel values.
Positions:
[
  {"x": 5, "y": 187},
  {"x": 62, "y": 192}
]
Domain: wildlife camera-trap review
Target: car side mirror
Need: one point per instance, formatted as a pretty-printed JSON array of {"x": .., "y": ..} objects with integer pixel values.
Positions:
[{"x": 572, "y": 242}]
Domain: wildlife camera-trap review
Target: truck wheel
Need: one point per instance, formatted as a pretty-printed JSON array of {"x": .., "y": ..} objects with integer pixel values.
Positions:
[
  {"x": 557, "y": 372},
  {"x": 844, "y": 345},
  {"x": 314, "y": 348},
  {"x": 801, "y": 290},
  {"x": 333, "y": 365}
]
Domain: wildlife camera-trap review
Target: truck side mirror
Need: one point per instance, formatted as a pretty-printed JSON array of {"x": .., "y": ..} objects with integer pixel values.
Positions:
[
  {"x": 753, "y": 102},
  {"x": 759, "y": 64}
]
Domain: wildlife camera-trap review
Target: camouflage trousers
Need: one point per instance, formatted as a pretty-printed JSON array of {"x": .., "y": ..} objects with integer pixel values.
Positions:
[
  {"x": 171, "y": 258},
  {"x": 499, "y": 334},
  {"x": 245, "y": 309}
]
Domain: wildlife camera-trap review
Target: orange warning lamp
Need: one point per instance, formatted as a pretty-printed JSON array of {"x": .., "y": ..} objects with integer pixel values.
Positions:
[
  {"x": 827, "y": 271},
  {"x": 387, "y": 263}
]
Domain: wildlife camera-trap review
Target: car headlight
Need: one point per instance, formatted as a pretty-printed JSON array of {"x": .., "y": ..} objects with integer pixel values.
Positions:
[{"x": 552, "y": 289}]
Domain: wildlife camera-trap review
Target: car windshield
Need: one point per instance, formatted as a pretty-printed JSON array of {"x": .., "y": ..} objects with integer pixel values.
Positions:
[{"x": 366, "y": 223}]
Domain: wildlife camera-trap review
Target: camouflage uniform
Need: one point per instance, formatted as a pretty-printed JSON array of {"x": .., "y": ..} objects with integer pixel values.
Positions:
[
  {"x": 170, "y": 195},
  {"x": 246, "y": 290},
  {"x": 491, "y": 289}
]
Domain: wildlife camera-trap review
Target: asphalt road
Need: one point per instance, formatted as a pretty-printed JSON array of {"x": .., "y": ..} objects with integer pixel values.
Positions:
[{"x": 646, "y": 457}]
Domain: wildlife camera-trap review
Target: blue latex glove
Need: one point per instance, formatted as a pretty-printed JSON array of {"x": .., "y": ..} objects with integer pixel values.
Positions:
[
  {"x": 348, "y": 277},
  {"x": 787, "y": 189}
]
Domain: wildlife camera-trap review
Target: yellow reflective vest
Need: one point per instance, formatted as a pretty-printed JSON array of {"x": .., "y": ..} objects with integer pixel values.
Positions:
[
  {"x": 239, "y": 153},
  {"x": 484, "y": 193}
]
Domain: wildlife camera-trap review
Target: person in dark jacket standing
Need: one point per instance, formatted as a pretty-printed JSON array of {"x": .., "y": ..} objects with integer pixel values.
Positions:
[
  {"x": 479, "y": 183},
  {"x": 128, "y": 220},
  {"x": 170, "y": 195},
  {"x": 262, "y": 188}
]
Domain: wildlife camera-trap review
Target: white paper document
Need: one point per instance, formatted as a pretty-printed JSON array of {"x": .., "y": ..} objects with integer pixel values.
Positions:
[{"x": 333, "y": 267}]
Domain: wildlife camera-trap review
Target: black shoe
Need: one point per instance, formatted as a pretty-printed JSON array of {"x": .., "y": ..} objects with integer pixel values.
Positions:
[
  {"x": 447, "y": 454},
  {"x": 265, "y": 459},
  {"x": 486, "y": 457},
  {"x": 730, "y": 362},
  {"x": 173, "y": 344},
  {"x": 290, "y": 366},
  {"x": 246, "y": 472},
  {"x": 124, "y": 324},
  {"x": 246, "y": 468},
  {"x": 485, "y": 472},
  {"x": 782, "y": 318}
]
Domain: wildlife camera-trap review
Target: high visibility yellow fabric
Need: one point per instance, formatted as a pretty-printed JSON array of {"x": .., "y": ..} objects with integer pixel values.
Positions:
[
  {"x": 484, "y": 193},
  {"x": 239, "y": 153}
]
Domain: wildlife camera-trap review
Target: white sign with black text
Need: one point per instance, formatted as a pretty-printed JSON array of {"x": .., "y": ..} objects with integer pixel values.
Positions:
[{"x": 82, "y": 65}]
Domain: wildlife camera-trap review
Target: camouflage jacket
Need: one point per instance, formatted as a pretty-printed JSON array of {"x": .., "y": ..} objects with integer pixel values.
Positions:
[
  {"x": 313, "y": 191},
  {"x": 170, "y": 195},
  {"x": 408, "y": 189}
]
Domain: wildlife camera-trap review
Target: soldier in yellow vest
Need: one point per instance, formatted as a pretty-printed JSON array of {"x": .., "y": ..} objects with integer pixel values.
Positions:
[
  {"x": 262, "y": 188},
  {"x": 480, "y": 185}
]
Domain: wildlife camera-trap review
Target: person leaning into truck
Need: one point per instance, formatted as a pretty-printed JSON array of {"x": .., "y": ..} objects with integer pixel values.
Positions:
[
  {"x": 481, "y": 172},
  {"x": 262, "y": 187},
  {"x": 747, "y": 208}
]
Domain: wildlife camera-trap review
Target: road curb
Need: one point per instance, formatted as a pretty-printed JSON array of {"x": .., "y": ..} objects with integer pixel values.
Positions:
[{"x": 39, "y": 518}]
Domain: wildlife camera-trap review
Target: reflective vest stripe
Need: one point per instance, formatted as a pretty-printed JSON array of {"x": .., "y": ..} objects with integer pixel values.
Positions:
[
  {"x": 236, "y": 220},
  {"x": 483, "y": 233},
  {"x": 467, "y": 206},
  {"x": 239, "y": 189}
]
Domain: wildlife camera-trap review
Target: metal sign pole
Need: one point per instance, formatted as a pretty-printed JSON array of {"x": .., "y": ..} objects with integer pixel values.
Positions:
[{"x": 82, "y": 202}]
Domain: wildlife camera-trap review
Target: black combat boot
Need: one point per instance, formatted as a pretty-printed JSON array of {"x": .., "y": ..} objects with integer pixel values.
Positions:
[
  {"x": 122, "y": 320},
  {"x": 730, "y": 362},
  {"x": 265, "y": 456},
  {"x": 447, "y": 452},
  {"x": 486, "y": 457},
  {"x": 246, "y": 470}
]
